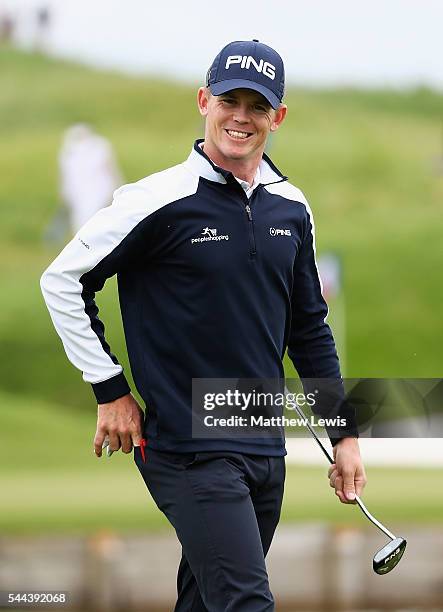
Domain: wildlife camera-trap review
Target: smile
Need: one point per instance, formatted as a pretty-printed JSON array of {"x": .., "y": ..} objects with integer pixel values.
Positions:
[{"x": 238, "y": 135}]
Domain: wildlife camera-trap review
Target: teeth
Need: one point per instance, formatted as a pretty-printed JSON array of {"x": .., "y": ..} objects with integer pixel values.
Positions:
[{"x": 236, "y": 134}]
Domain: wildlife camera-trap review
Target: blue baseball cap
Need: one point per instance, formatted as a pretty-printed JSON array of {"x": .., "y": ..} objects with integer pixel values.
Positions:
[{"x": 248, "y": 64}]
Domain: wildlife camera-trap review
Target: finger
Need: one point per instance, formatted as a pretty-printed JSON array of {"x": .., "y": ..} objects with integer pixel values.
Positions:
[
  {"x": 137, "y": 434},
  {"x": 360, "y": 485},
  {"x": 338, "y": 483},
  {"x": 349, "y": 485},
  {"x": 342, "y": 498},
  {"x": 114, "y": 441},
  {"x": 333, "y": 468},
  {"x": 332, "y": 479},
  {"x": 98, "y": 442},
  {"x": 339, "y": 489},
  {"x": 126, "y": 442},
  {"x": 136, "y": 438}
]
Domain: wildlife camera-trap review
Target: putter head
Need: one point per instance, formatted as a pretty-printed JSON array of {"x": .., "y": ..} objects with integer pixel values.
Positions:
[{"x": 388, "y": 557}]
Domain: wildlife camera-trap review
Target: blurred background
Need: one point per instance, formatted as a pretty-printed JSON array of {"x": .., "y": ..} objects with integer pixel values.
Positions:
[{"x": 101, "y": 93}]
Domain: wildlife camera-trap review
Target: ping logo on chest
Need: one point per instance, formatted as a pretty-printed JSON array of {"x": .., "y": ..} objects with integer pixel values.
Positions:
[
  {"x": 279, "y": 232},
  {"x": 246, "y": 61},
  {"x": 209, "y": 234}
]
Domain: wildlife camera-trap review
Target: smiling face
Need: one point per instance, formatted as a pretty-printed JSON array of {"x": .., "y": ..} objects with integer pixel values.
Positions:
[{"x": 237, "y": 126}]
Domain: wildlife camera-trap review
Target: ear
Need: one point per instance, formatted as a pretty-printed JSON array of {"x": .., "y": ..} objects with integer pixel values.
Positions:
[
  {"x": 279, "y": 116},
  {"x": 202, "y": 101}
]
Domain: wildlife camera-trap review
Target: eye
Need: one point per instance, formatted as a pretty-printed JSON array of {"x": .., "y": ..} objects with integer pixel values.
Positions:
[{"x": 260, "y": 108}]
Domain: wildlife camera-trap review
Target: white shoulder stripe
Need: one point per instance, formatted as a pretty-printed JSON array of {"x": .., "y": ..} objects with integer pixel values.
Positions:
[
  {"x": 288, "y": 191},
  {"x": 171, "y": 184}
]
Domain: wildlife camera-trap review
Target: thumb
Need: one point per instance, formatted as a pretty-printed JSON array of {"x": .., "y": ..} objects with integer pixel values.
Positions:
[{"x": 348, "y": 486}]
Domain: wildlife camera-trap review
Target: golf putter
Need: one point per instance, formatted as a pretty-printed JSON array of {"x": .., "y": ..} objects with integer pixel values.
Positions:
[{"x": 387, "y": 557}]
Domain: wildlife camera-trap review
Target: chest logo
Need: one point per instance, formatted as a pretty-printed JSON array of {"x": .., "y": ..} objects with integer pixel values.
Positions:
[
  {"x": 279, "y": 232},
  {"x": 209, "y": 233}
]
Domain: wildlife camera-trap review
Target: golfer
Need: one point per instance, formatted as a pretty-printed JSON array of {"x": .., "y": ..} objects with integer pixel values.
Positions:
[{"x": 217, "y": 277}]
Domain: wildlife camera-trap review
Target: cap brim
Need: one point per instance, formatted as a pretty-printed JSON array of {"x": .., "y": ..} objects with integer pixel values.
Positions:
[{"x": 220, "y": 88}]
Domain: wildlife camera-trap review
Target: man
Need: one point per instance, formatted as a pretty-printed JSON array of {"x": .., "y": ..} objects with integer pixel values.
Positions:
[
  {"x": 89, "y": 173},
  {"x": 208, "y": 289}
]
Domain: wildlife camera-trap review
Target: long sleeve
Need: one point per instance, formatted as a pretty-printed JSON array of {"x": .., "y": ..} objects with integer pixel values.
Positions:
[
  {"x": 311, "y": 345},
  {"x": 109, "y": 241}
]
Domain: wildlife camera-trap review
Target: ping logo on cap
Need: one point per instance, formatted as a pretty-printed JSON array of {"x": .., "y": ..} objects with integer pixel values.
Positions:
[
  {"x": 244, "y": 64},
  {"x": 246, "y": 61}
]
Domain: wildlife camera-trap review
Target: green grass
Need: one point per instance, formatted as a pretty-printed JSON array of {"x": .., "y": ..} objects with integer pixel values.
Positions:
[
  {"x": 113, "y": 497},
  {"x": 52, "y": 482}
]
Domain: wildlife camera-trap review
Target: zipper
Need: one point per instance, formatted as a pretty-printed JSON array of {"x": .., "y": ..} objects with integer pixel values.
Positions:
[
  {"x": 253, "y": 249},
  {"x": 247, "y": 208}
]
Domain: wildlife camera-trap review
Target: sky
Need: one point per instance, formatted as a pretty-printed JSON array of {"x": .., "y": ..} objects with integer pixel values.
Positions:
[{"x": 393, "y": 43}]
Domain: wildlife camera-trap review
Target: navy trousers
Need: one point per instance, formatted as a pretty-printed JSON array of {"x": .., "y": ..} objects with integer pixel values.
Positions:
[{"x": 224, "y": 508}]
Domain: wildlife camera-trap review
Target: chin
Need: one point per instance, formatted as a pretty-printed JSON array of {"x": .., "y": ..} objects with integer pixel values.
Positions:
[{"x": 235, "y": 152}]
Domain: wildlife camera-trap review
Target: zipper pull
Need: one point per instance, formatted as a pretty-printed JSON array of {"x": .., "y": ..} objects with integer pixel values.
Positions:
[{"x": 248, "y": 211}]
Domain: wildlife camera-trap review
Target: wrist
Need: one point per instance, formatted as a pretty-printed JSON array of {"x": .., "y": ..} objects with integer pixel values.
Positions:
[
  {"x": 348, "y": 442},
  {"x": 348, "y": 439}
]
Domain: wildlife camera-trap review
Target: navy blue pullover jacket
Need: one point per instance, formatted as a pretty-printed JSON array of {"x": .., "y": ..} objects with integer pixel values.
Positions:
[{"x": 211, "y": 285}]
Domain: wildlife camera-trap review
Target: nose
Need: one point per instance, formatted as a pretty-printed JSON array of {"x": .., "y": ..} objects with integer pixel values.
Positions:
[{"x": 241, "y": 113}]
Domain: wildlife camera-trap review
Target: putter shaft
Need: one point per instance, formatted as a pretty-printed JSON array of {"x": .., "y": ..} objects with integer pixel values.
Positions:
[
  {"x": 331, "y": 461},
  {"x": 373, "y": 519}
]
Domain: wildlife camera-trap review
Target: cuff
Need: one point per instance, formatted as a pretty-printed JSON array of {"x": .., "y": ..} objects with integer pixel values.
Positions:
[
  {"x": 111, "y": 389},
  {"x": 333, "y": 406},
  {"x": 349, "y": 429},
  {"x": 335, "y": 440}
]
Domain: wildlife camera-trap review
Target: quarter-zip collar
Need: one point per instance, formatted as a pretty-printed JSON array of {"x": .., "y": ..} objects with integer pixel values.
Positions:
[
  {"x": 248, "y": 189},
  {"x": 199, "y": 163}
]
